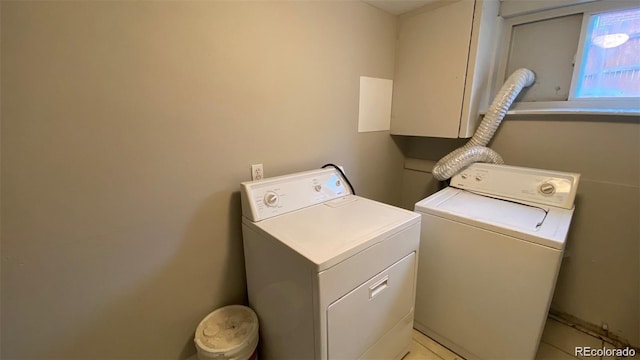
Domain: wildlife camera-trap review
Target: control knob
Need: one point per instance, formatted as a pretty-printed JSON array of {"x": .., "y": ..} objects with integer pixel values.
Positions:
[
  {"x": 547, "y": 188},
  {"x": 271, "y": 199}
]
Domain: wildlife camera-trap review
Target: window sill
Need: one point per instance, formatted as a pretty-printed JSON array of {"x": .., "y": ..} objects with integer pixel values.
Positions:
[
  {"x": 622, "y": 107},
  {"x": 574, "y": 111}
]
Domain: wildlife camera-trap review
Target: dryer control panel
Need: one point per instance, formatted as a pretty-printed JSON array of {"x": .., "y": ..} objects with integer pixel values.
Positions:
[
  {"x": 545, "y": 187},
  {"x": 274, "y": 196}
]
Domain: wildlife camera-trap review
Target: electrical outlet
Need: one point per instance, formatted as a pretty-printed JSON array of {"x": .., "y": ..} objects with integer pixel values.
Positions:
[{"x": 256, "y": 172}]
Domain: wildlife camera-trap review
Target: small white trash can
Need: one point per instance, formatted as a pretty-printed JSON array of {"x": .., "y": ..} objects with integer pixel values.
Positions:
[{"x": 228, "y": 333}]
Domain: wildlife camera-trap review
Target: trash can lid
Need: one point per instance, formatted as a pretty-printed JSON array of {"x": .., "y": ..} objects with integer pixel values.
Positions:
[{"x": 227, "y": 329}]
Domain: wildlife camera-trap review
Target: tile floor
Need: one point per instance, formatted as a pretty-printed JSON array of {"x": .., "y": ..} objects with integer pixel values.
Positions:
[
  {"x": 423, "y": 347},
  {"x": 558, "y": 343}
]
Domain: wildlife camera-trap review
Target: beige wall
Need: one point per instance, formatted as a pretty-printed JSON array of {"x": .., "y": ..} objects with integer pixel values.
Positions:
[
  {"x": 126, "y": 130},
  {"x": 600, "y": 280}
]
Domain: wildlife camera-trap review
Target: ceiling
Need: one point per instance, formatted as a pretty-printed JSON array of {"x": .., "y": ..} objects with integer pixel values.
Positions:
[{"x": 398, "y": 7}]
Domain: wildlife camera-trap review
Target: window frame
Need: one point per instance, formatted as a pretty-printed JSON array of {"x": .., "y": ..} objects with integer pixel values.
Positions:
[{"x": 601, "y": 105}]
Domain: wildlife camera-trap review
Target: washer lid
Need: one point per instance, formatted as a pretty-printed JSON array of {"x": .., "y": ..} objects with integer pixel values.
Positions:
[
  {"x": 546, "y": 226},
  {"x": 330, "y": 232},
  {"x": 490, "y": 210}
]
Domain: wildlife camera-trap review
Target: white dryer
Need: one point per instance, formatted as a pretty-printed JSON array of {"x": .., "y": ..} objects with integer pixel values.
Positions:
[
  {"x": 490, "y": 252},
  {"x": 330, "y": 275}
]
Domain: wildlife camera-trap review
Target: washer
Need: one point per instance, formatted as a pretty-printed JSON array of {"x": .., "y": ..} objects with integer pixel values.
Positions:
[
  {"x": 331, "y": 275},
  {"x": 490, "y": 252}
]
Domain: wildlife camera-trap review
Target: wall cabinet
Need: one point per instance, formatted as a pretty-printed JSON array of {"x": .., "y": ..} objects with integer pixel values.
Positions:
[{"x": 443, "y": 61}]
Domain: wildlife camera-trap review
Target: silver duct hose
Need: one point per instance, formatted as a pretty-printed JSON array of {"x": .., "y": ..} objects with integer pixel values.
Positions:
[{"x": 475, "y": 150}]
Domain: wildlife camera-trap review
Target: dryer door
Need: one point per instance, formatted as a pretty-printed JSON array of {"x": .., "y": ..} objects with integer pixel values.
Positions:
[{"x": 364, "y": 315}]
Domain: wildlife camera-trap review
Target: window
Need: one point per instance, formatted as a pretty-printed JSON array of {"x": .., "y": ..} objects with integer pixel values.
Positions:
[
  {"x": 586, "y": 58},
  {"x": 610, "y": 65}
]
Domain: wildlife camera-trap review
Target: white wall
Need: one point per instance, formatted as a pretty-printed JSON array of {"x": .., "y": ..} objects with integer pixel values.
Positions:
[{"x": 126, "y": 130}]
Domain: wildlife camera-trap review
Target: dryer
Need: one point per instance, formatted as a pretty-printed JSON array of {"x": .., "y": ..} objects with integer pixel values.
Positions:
[
  {"x": 491, "y": 248},
  {"x": 330, "y": 275}
]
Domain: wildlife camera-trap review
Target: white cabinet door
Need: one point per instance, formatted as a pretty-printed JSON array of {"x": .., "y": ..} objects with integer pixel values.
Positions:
[
  {"x": 431, "y": 65},
  {"x": 442, "y": 68},
  {"x": 361, "y": 317}
]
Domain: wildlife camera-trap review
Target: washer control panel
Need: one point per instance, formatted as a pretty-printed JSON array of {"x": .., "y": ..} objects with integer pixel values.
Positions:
[
  {"x": 270, "y": 197},
  {"x": 546, "y": 187}
]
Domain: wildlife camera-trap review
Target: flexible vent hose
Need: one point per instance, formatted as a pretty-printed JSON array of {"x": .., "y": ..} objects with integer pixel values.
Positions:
[{"x": 475, "y": 150}]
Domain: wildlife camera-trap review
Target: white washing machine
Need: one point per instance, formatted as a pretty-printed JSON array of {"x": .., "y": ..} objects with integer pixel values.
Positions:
[
  {"x": 490, "y": 252},
  {"x": 330, "y": 275}
]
